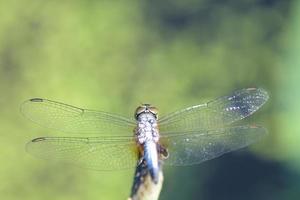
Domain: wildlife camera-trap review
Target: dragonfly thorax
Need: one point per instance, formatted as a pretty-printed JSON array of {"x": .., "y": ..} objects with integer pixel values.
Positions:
[{"x": 147, "y": 129}]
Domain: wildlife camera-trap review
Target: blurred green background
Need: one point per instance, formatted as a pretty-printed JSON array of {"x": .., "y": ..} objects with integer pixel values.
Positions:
[{"x": 114, "y": 55}]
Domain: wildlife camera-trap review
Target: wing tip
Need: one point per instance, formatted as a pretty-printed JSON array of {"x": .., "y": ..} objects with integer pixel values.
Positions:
[
  {"x": 262, "y": 130},
  {"x": 264, "y": 93},
  {"x": 34, "y": 100}
]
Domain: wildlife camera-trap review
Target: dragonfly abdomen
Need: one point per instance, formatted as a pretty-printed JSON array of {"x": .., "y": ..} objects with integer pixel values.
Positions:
[{"x": 151, "y": 158}]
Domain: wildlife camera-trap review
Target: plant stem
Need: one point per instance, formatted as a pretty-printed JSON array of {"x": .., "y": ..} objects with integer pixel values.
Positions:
[{"x": 144, "y": 188}]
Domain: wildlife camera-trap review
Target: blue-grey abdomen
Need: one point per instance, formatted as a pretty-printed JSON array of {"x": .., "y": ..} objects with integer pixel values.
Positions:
[{"x": 151, "y": 158}]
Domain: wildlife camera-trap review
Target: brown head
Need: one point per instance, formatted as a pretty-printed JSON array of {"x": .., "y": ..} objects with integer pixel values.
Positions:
[{"x": 146, "y": 108}]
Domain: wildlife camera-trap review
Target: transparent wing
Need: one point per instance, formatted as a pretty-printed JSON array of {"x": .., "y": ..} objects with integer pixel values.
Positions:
[
  {"x": 215, "y": 114},
  {"x": 193, "y": 148},
  {"x": 92, "y": 153},
  {"x": 71, "y": 119}
]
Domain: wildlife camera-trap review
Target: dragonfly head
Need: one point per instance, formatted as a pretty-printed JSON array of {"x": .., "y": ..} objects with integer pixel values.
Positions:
[{"x": 146, "y": 108}]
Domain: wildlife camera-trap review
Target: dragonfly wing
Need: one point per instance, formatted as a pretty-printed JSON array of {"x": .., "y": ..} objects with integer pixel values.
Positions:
[
  {"x": 59, "y": 116},
  {"x": 196, "y": 147},
  {"x": 215, "y": 114},
  {"x": 92, "y": 153}
]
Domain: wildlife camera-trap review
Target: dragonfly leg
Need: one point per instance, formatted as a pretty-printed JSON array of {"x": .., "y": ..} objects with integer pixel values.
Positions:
[{"x": 163, "y": 152}]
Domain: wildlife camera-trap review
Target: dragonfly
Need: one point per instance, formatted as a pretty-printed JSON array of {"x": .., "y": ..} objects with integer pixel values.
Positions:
[{"x": 105, "y": 141}]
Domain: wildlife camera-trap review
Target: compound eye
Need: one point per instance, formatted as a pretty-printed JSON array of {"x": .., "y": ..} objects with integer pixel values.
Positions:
[
  {"x": 153, "y": 110},
  {"x": 139, "y": 110}
]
